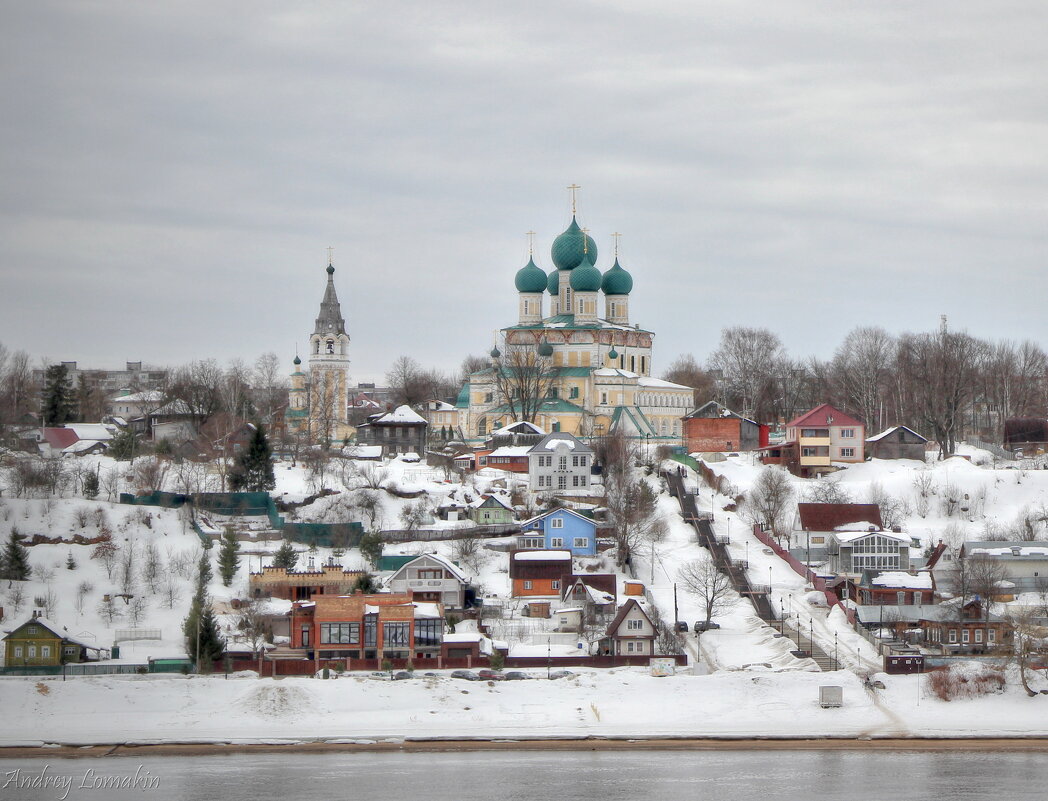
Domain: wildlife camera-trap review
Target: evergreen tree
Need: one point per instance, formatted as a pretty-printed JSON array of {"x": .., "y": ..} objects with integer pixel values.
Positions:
[
  {"x": 253, "y": 470},
  {"x": 14, "y": 561},
  {"x": 228, "y": 559},
  {"x": 70, "y": 562},
  {"x": 91, "y": 484},
  {"x": 371, "y": 547},
  {"x": 204, "y": 573},
  {"x": 285, "y": 556},
  {"x": 123, "y": 445},
  {"x": 365, "y": 584},
  {"x": 59, "y": 400},
  {"x": 200, "y": 626}
]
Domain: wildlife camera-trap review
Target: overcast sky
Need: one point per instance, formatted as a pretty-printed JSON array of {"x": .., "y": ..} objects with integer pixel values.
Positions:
[{"x": 172, "y": 173}]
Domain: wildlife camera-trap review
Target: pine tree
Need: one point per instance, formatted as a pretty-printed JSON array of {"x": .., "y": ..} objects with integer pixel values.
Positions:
[
  {"x": 70, "y": 562},
  {"x": 204, "y": 573},
  {"x": 59, "y": 401},
  {"x": 91, "y": 484},
  {"x": 228, "y": 559},
  {"x": 253, "y": 470},
  {"x": 122, "y": 446},
  {"x": 14, "y": 561},
  {"x": 285, "y": 556}
]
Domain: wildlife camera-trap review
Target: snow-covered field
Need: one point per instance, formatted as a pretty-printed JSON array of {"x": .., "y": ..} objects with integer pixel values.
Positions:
[{"x": 614, "y": 703}]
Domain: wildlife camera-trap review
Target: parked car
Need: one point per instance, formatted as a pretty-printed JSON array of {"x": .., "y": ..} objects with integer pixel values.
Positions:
[
  {"x": 702, "y": 625},
  {"x": 490, "y": 675},
  {"x": 682, "y": 625},
  {"x": 400, "y": 675},
  {"x": 560, "y": 674},
  {"x": 516, "y": 675},
  {"x": 379, "y": 675},
  {"x": 468, "y": 675}
]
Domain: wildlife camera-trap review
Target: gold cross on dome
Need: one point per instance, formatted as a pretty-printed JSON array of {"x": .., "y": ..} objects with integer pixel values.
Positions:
[
  {"x": 585, "y": 240},
  {"x": 531, "y": 243},
  {"x": 331, "y": 255},
  {"x": 616, "y": 235},
  {"x": 573, "y": 189}
]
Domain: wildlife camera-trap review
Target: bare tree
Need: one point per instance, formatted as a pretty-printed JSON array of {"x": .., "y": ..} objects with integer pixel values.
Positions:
[
  {"x": 269, "y": 386},
  {"x": 136, "y": 610},
  {"x": 685, "y": 370},
  {"x": 83, "y": 589},
  {"x": 861, "y": 368},
  {"x": 199, "y": 386},
  {"x": 986, "y": 576},
  {"x": 893, "y": 511},
  {"x": 770, "y": 500},
  {"x": 745, "y": 358},
  {"x": 1029, "y": 644},
  {"x": 107, "y": 552},
  {"x": 523, "y": 379},
  {"x": 941, "y": 372},
  {"x": 108, "y": 610},
  {"x": 713, "y": 588},
  {"x": 369, "y": 502},
  {"x": 152, "y": 567},
  {"x": 172, "y": 592},
  {"x": 827, "y": 490},
  {"x": 252, "y": 623}
]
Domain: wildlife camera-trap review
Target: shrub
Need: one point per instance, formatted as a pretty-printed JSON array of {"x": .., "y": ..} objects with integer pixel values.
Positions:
[{"x": 965, "y": 681}]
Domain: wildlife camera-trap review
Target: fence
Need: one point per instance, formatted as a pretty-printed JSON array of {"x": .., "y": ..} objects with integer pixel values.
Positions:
[
  {"x": 435, "y": 534},
  {"x": 253, "y": 504}
]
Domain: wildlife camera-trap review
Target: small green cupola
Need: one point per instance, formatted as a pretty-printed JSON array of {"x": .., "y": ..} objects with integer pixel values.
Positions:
[
  {"x": 530, "y": 278},
  {"x": 571, "y": 247},
  {"x": 544, "y": 349},
  {"x": 553, "y": 282},
  {"x": 617, "y": 281}
]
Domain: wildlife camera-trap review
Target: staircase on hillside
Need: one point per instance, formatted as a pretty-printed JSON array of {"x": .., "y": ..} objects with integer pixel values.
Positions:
[{"x": 820, "y": 657}]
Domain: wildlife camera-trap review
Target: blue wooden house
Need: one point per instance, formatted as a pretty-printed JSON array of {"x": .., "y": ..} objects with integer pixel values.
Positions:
[{"x": 560, "y": 528}]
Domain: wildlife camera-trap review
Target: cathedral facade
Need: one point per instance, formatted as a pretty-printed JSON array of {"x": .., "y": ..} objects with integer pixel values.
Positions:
[
  {"x": 579, "y": 364},
  {"x": 318, "y": 400}
]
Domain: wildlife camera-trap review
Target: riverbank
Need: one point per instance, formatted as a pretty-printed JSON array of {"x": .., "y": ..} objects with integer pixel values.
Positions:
[{"x": 923, "y": 745}]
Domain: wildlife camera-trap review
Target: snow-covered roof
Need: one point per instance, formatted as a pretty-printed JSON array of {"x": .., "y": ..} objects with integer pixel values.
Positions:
[
  {"x": 562, "y": 510},
  {"x": 658, "y": 383},
  {"x": 1022, "y": 549},
  {"x": 887, "y": 431},
  {"x": 363, "y": 451},
  {"x": 147, "y": 396},
  {"x": 402, "y": 414},
  {"x": 559, "y": 439},
  {"x": 450, "y": 566},
  {"x": 922, "y": 581},
  {"x": 847, "y": 533},
  {"x": 511, "y": 450},
  {"x": 427, "y": 610},
  {"x": 95, "y": 431},
  {"x": 512, "y": 428},
  {"x": 442, "y": 406},
  {"x": 614, "y": 371},
  {"x": 542, "y": 556},
  {"x": 82, "y": 445},
  {"x": 465, "y": 636}
]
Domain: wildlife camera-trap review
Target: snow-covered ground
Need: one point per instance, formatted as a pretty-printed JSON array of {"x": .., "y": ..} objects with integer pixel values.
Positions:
[{"x": 613, "y": 703}]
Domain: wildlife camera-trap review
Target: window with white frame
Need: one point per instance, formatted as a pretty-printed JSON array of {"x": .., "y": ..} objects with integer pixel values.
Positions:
[
  {"x": 527, "y": 584},
  {"x": 634, "y": 625},
  {"x": 556, "y": 522},
  {"x": 562, "y": 462},
  {"x": 847, "y": 453},
  {"x": 965, "y": 635},
  {"x": 847, "y": 433},
  {"x": 562, "y": 482},
  {"x": 555, "y": 584},
  {"x": 556, "y": 542},
  {"x": 952, "y": 636},
  {"x": 991, "y": 636},
  {"x": 979, "y": 635},
  {"x": 581, "y": 542},
  {"x": 45, "y": 651}
]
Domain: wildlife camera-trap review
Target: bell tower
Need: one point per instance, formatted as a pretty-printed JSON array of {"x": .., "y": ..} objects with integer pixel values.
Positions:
[{"x": 329, "y": 367}]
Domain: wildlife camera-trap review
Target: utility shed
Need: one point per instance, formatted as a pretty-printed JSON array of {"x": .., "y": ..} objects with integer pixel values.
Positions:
[{"x": 897, "y": 442}]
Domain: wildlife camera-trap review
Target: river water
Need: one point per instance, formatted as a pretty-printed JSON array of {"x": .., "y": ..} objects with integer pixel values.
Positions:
[{"x": 538, "y": 776}]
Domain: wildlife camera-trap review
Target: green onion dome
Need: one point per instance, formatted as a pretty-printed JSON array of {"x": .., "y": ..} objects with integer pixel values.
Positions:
[
  {"x": 298, "y": 361},
  {"x": 617, "y": 281},
  {"x": 553, "y": 284},
  {"x": 495, "y": 353},
  {"x": 569, "y": 248},
  {"x": 545, "y": 349},
  {"x": 585, "y": 277},
  {"x": 530, "y": 278},
  {"x": 613, "y": 354}
]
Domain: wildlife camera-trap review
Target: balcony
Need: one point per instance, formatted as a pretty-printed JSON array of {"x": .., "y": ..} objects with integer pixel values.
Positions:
[
  {"x": 815, "y": 461},
  {"x": 812, "y": 442}
]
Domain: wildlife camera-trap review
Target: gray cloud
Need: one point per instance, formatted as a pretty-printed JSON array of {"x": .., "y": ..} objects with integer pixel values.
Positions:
[{"x": 173, "y": 173}]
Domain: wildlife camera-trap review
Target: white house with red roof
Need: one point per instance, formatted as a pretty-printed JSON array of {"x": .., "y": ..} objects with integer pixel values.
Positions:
[{"x": 816, "y": 440}]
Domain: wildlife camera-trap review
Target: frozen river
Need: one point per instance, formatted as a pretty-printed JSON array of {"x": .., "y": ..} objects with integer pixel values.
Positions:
[{"x": 527, "y": 776}]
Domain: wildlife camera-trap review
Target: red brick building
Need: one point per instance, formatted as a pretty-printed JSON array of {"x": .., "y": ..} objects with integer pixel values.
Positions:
[
  {"x": 712, "y": 428},
  {"x": 378, "y": 626}
]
